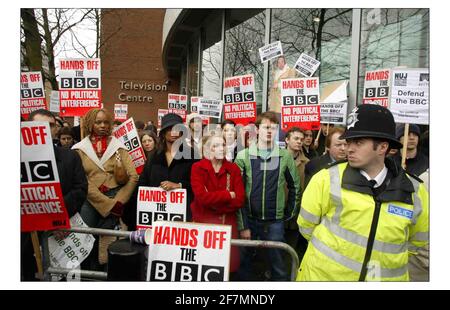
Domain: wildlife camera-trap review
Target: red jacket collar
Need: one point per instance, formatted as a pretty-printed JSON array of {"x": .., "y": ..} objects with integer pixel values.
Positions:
[{"x": 207, "y": 165}]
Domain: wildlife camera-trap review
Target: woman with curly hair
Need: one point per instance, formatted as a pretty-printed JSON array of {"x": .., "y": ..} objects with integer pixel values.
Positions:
[{"x": 111, "y": 176}]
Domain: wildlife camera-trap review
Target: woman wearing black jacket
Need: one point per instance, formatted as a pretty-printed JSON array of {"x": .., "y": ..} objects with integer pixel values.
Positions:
[{"x": 170, "y": 167}]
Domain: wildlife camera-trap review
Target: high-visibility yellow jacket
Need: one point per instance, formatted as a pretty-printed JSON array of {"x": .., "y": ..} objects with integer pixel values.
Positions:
[{"x": 336, "y": 216}]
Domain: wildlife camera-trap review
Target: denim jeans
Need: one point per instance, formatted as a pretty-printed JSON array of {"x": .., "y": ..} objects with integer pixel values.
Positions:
[
  {"x": 94, "y": 219},
  {"x": 265, "y": 230}
]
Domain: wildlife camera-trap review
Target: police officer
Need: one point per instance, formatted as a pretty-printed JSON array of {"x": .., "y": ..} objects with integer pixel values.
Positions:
[{"x": 362, "y": 217}]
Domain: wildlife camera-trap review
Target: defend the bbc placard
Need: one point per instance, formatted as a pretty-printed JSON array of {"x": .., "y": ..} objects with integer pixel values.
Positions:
[{"x": 410, "y": 96}]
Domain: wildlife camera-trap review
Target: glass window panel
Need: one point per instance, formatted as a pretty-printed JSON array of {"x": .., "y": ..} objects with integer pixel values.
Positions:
[
  {"x": 244, "y": 35},
  {"x": 193, "y": 68},
  {"x": 391, "y": 38},
  {"x": 324, "y": 34},
  {"x": 211, "y": 57}
]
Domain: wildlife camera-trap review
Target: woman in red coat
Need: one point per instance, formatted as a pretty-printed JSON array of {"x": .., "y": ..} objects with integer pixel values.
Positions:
[{"x": 218, "y": 190}]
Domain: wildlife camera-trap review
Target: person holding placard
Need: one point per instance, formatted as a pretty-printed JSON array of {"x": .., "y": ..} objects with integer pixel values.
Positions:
[
  {"x": 280, "y": 71},
  {"x": 416, "y": 162},
  {"x": 218, "y": 190},
  {"x": 74, "y": 187},
  {"x": 112, "y": 178},
  {"x": 307, "y": 146},
  {"x": 170, "y": 167}
]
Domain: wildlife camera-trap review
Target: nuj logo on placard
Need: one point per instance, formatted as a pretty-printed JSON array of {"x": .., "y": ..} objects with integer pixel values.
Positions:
[{"x": 400, "y": 79}]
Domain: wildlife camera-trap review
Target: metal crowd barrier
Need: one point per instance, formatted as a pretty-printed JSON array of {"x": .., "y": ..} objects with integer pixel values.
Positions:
[{"x": 99, "y": 275}]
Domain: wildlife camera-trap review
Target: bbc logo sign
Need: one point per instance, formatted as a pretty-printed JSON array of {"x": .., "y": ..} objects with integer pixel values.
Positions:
[
  {"x": 79, "y": 82},
  {"x": 300, "y": 100},
  {"x": 179, "y": 106},
  {"x": 185, "y": 272},
  {"x": 36, "y": 171},
  {"x": 132, "y": 144},
  {"x": 239, "y": 97},
  {"x": 147, "y": 218},
  {"x": 374, "y": 92},
  {"x": 31, "y": 93}
]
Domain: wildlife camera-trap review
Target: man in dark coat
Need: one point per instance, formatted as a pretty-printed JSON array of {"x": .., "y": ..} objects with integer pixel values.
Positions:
[
  {"x": 416, "y": 162},
  {"x": 336, "y": 151},
  {"x": 74, "y": 188}
]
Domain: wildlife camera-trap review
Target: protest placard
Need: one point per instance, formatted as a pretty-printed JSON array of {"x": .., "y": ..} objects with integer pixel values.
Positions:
[
  {"x": 120, "y": 111},
  {"x": 161, "y": 113},
  {"x": 270, "y": 51},
  {"x": 306, "y": 65},
  {"x": 210, "y": 107},
  {"x": 189, "y": 252},
  {"x": 128, "y": 134},
  {"x": 300, "y": 103},
  {"x": 54, "y": 101},
  {"x": 155, "y": 204},
  {"x": 239, "y": 99},
  {"x": 41, "y": 199},
  {"x": 333, "y": 107},
  {"x": 376, "y": 87},
  {"x": 32, "y": 94},
  {"x": 177, "y": 104},
  {"x": 409, "y": 101},
  {"x": 79, "y": 86},
  {"x": 195, "y": 102},
  {"x": 72, "y": 250}
]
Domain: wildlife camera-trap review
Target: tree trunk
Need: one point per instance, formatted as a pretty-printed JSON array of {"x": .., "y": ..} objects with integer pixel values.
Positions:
[
  {"x": 32, "y": 44},
  {"x": 51, "y": 75}
]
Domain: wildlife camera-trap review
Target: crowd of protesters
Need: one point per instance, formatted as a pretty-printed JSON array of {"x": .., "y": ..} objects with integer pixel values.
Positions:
[{"x": 233, "y": 175}]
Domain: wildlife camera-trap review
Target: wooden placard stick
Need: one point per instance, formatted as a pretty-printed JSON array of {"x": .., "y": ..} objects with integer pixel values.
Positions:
[
  {"x": 37, "y": 253},
  {"x": 405, "y": 142}
]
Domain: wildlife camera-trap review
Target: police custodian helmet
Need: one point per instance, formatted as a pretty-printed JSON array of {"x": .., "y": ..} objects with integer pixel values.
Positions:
[{"x": 371, "y": 121}]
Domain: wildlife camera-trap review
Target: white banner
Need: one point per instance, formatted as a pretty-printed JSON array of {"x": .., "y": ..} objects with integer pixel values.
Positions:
[
  {"x": 270, "y": 51},
  {"x": 410, "y": 96},
  {"x": 189, "y": 252},
  {"x": 120, "y": 111},
  {"x": 155, "y": 204},
  {"x": 210, "y": 107},
  {"x": 54, "y": 101},
  {"x": 71, "y": 251},
  {"x": 306, "y": 65},
  {"x": 333, "y": 107}
]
